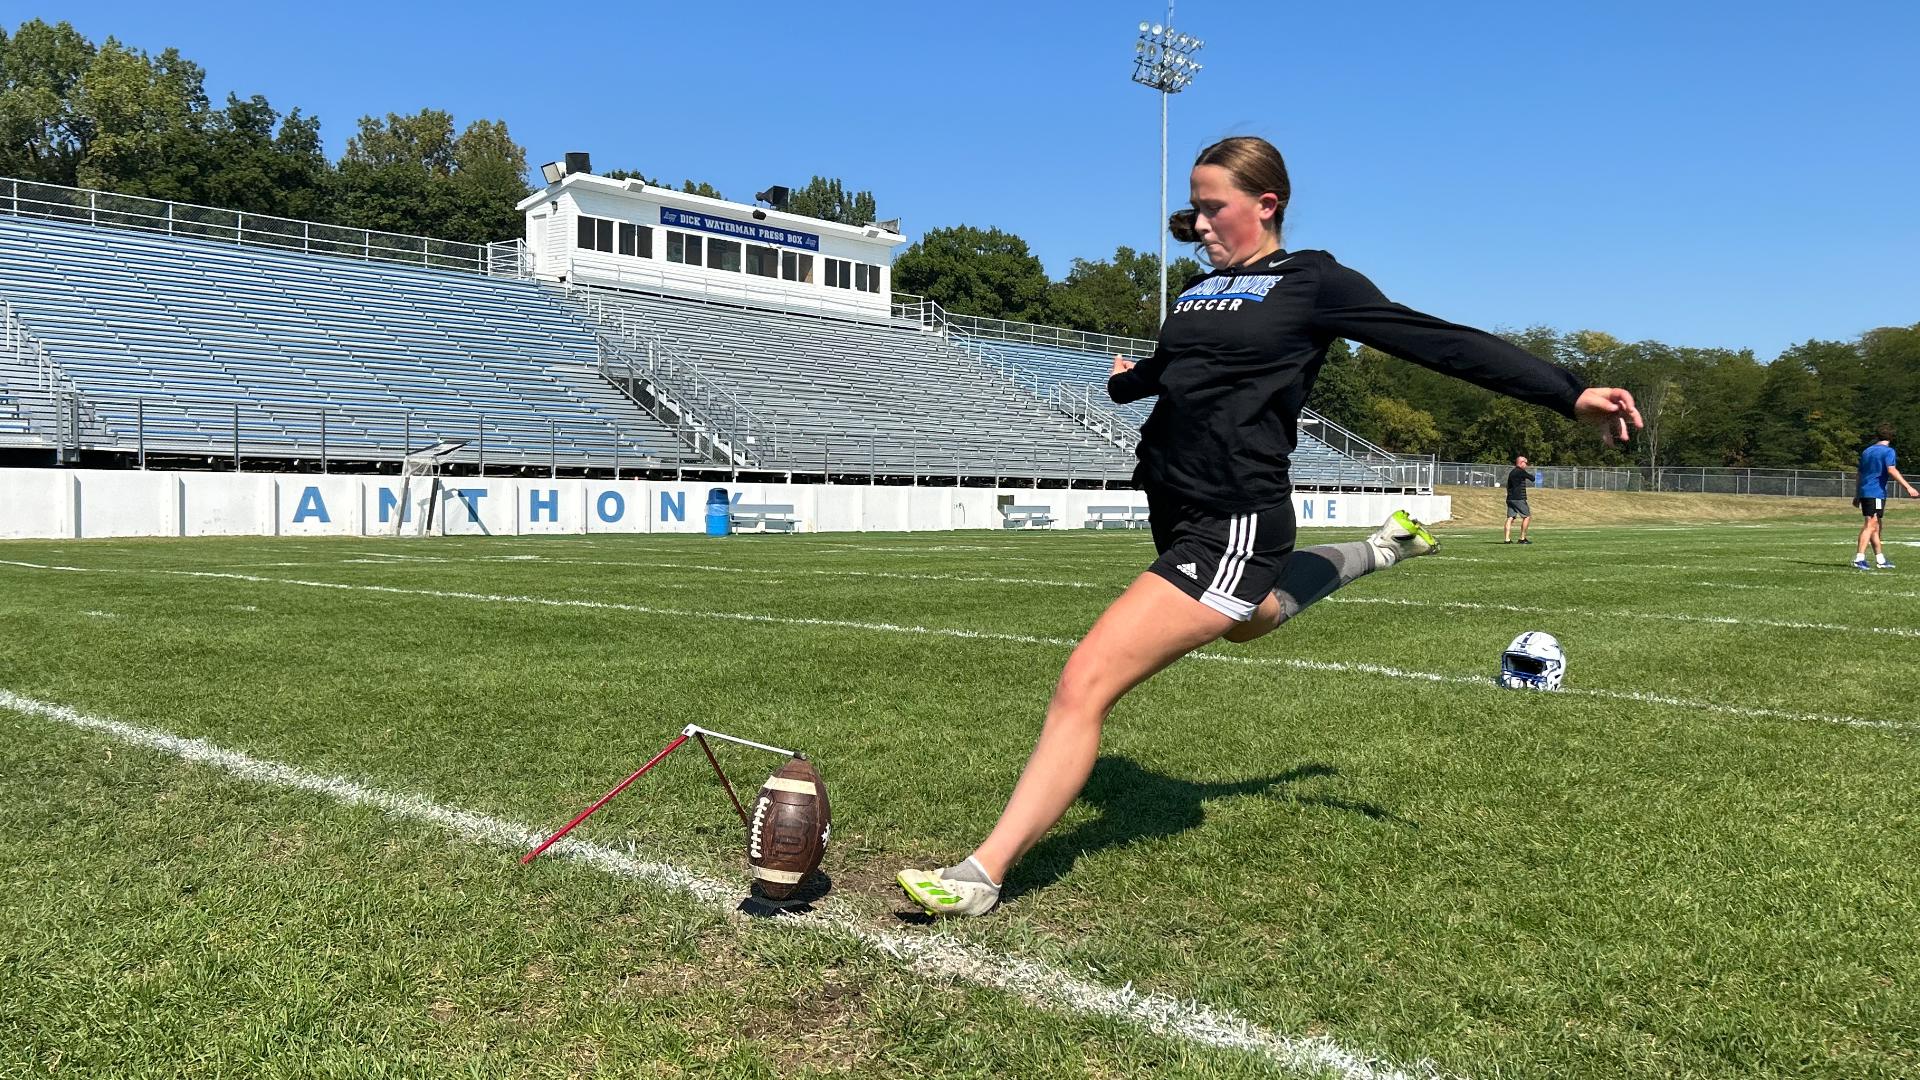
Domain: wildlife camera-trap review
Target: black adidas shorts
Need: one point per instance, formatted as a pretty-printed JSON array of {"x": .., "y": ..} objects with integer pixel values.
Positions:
[
  {"x": 1227, "y": 562},
  {"x": 1871, "y": 507}
]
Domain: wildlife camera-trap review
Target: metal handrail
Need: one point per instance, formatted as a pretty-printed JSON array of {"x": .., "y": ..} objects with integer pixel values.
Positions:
[
  {"x": 230, "y": 429},
  {"x": 54, "y": 402},
  {"x": 710, "y": 409},
  {"x": 27, "y": 352},
  {"x": 1057, "y": 337},
  {"x": 106, "y": 209},
  {"x": 510, "y": 258},
  {"x": 913, "y": 308},
  {"x": 1076, "y": 404}
]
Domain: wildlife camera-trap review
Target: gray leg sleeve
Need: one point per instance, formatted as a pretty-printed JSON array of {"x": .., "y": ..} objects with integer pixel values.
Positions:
[{"x": 1312, "y": 574}]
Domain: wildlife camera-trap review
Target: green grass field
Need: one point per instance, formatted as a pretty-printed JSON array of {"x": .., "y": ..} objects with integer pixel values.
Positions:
[{"x": 1340, "y": 850}]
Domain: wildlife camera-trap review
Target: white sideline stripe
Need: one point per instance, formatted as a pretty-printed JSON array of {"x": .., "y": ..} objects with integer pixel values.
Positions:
[
  {"x": 822, "y": 573},
  {"x": 932, "y": 954},
  {"x": 1717, "y": 620},
  {"x": 1827, "y": 589},
  {"x": 1753, "y": 712}
]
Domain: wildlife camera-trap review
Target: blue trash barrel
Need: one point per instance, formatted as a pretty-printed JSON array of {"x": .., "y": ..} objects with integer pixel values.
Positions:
[{"x": 719, "y": 512}]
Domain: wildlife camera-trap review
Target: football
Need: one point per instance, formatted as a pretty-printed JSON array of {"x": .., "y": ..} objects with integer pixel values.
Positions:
[{"x": 788, "y": 833}]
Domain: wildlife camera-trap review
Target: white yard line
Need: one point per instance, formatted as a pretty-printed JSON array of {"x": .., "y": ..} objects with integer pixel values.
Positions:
[
  {"x": 1753, "y": 712},
  {"x": 761, "y": 571},
  {"x": 930, "y": 954},
  {"x": 1717, "y": 620}
]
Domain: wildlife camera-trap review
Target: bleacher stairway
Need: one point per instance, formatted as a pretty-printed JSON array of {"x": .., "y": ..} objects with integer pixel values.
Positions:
[{"x": 879, "y": 395}]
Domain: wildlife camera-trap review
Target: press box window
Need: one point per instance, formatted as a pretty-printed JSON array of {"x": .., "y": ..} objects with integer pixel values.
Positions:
[
  {"x": 636, "y": 240},
  {"x": 723, "y": 255},
  {"x": 682, "y": 248},
  {"x": 796, "y": 267},
  {"x": 763, "y": 261},
  {"x": 839, "y": 274},
  {"x": 595, "y": 234},
  {"x": 866, "y": 278}
]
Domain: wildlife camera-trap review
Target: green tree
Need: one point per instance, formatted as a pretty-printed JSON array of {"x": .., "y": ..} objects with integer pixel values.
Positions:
[
  {"x": 261, "y": 162},
  {"x": 144, "y": 115},
  {"x": 41, "y": 136},
  {"x": 1507, "y": 429},
  {"x": 489, "y": 176},
  {"x": 409, "y": 174},
  {"x": 970, "y": 271},
  {"x": 1890, "y": 380},
  {"x": 829, "y": 200},
  {"x": 1722, "y": 385},
  {"x": 1345, "y": 390},
  {"x": 1401, "y": 428},
  {"x": 387, "y": 177},
  {"x": 1117, "y": 296}
]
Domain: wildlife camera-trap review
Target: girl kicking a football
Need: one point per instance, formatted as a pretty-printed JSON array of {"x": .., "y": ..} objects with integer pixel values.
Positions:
[{"x": 1236, "y": 360}]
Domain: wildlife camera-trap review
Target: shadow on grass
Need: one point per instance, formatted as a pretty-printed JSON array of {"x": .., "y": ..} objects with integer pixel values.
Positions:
[
  {"x": 811, "y": 891},
  {"x": 1138, "y": 804}
]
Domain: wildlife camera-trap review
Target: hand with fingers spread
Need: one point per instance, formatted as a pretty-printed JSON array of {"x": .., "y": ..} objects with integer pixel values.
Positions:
[{"x": 1610, "y": 409}]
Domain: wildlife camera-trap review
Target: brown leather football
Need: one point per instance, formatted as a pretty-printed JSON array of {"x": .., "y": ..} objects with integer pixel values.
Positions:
[{"x": 788, "y": 832}]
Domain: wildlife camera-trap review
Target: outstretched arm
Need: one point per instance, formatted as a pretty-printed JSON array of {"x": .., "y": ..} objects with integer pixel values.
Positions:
[
  {"x": 1895, "y": 473},
  {"x": 1130, "y": 381},
  {"x": 1349, "y": 306}
]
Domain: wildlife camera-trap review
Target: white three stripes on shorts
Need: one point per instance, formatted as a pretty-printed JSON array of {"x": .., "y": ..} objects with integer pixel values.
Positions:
[{"x": 1233, "y": 563}]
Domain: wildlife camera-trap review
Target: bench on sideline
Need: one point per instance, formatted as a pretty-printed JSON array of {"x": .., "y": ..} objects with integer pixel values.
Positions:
[
  {"x": 1124, "y": 517},
  {"x": 765, "y": 517},
  {"x": 1028, "y": 517}
]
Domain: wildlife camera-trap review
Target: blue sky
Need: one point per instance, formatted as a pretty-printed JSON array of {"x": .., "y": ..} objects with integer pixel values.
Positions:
[{"x": 1715, "y": 174}]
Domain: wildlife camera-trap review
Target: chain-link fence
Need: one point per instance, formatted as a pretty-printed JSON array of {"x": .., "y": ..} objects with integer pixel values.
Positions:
[{"x": 1807, "y": 483}]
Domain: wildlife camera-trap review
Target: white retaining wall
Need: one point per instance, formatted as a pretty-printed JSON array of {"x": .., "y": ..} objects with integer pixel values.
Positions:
[{"x": 80, "y": 504}]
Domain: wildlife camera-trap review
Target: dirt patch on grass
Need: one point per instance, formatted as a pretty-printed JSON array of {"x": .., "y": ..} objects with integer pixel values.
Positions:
[{"x": 1476, "y": 506}]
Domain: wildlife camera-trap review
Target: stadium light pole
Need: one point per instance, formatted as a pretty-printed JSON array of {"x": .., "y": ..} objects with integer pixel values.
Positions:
[{"x": 1163, "y": 61}]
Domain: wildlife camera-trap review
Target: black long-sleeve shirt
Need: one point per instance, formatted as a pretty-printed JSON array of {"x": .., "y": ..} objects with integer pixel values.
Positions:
[{"x": 1240, "y": 351}]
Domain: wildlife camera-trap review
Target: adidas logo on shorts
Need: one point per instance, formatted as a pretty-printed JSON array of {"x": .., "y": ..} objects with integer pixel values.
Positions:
[{"x": 1192, "y": 570}]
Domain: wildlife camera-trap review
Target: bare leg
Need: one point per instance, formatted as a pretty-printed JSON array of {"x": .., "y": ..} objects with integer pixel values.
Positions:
[
  {"x": 1866, "y": 537},
  {"x": 1151, "y": 625},
  {"x": 1878, "y": 552},
  {"x": 1507, "y": 534},
  {"x": 1525, "y": 523}
]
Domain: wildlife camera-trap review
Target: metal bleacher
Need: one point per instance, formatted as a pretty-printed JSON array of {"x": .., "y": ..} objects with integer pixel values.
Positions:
[
  {"x": 187, "y": 345},
  {"x": 129, "y": 324},
  {"x": 850, "y": 395},
  {"x": 1315, "y": 463}
]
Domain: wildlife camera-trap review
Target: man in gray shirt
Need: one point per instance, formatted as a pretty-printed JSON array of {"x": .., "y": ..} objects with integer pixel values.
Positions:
[{"x": 1517, "y": 482}]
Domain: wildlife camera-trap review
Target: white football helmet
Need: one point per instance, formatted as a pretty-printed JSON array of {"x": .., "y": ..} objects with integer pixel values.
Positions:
[{"x": 1533, "y": 662}]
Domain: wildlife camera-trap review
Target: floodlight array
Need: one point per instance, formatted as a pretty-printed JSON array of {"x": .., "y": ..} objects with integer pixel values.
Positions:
[{"x": 1163, "y": 58}]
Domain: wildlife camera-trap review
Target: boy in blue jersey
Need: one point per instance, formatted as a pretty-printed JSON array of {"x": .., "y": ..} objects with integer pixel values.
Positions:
[{"x": 1876, "y": 465}]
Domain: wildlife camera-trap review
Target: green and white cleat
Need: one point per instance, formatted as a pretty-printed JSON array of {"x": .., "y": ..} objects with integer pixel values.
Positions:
[
  {"x": 1401, "y": 537},
  {"x": 940, "y": 893}
]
